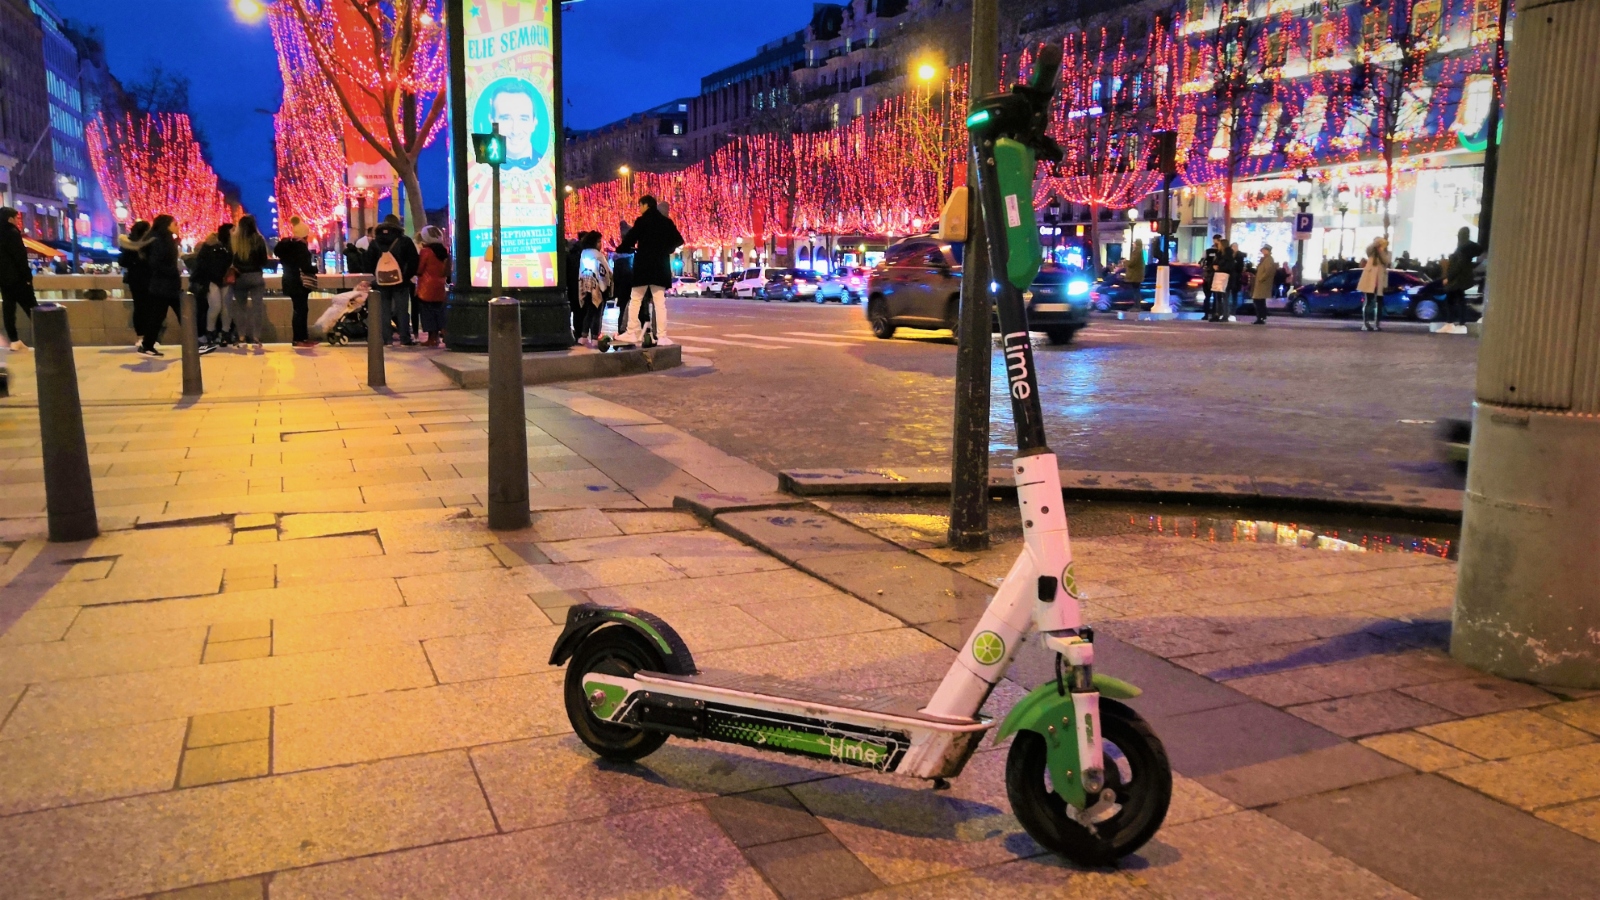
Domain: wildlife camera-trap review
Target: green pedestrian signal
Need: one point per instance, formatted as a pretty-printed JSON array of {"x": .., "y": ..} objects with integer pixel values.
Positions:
[{"x": 489, "y": 148}]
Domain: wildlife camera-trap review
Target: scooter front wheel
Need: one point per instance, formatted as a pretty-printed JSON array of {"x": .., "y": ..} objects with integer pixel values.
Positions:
[
  {"x": 1137, "y": 770},
  {"x": 612, "y": 650}
]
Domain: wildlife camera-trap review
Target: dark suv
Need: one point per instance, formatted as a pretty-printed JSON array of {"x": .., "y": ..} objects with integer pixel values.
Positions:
[{"x": 918, "y": 284}]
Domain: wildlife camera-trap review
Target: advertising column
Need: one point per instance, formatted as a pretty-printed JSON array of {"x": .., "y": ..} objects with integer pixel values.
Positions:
[{"x": 505, "y": 61}]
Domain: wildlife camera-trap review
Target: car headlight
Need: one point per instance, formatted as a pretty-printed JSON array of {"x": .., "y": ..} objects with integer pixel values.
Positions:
[
  {"x": 1413, "y": 290},
  {"x": 1077, "y": 288}
]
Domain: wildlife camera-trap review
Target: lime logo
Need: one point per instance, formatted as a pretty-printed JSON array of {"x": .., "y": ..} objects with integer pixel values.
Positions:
[
  {"x": 988, "y": 648},
  {"x": 1069, "y": 580}
]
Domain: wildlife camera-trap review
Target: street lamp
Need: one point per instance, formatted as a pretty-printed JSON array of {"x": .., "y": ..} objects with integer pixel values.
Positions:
[
  {"x": 69, "y": 190},
  {"x": 927, "y": 72},
  {"x": 249, "y": 11},
  {"x": 1342, "y": 199},
  {"x": 1300, "y": 193},
  {"x": 1052, "y": 217}
]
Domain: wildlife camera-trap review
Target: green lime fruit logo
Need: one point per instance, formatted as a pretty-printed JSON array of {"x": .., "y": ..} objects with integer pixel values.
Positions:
[
  {"x": 1069, "y": 580},
  {"x": 988, "y": 648}
]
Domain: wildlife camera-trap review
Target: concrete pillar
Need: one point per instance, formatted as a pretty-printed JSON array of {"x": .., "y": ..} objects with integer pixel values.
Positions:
[
  {"x": 508, "y": 419},
  {"x": 193, "y": 385},
  {"x": 1528, "y": 600},
  {"x": 377, "y": 316},
  {"x": 68, "y": 485}
]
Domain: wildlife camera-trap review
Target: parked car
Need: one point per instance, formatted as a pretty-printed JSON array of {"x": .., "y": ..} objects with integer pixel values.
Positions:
[
  {"x": 710, "y": 285},
  {"x": 1113, "y": 292},
  {"x": 918, "y": 284},
  {"x": 1337, "y": 295},
  {"x": 752, "y": 282},
  {"x": 684, "y": 287},
  {"x": 790, "y": 285},
  {"x": 847, "y": 284}
]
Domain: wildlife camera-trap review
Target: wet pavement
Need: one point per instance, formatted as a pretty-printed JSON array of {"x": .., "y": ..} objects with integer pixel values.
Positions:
[{"x": 802, "y": 385}]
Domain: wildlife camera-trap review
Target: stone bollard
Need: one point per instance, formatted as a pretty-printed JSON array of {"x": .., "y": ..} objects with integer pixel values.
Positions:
[
  {"x": 68, "y": 486},
  {"x": 193, "y": 386},
  {"x": 377, "y": 315},
  {"x": 508, "y": 420}
]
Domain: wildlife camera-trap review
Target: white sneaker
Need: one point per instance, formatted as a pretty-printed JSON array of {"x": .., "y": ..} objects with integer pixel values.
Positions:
[{"x": 18, "y": 345}]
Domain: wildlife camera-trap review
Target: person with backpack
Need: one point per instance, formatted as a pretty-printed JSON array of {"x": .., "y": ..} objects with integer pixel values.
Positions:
[
  {"x": 250, "y": 284},
  {"x": 594, "y": 279},
  {"x": 294, "y": 253},
  {"x": 652, "y": 240},
  {"x": 433, "y": 283},
  {"x": 396, "y": 265},
  {"x": 212, "y": 286}
]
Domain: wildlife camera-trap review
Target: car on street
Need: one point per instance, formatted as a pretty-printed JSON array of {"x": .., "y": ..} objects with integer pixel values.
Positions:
[
  {"x": 684, "y": 287},
  {"x": 1114, "y": 292},
  {"x": 790, "y": 285},
  {"x": 752, "y": 282},
  {"x": 1058, "y": 302},
  {"x": 847, "y": 284},
  {"x": 1336, "y": 295},
  {"x": 710, "y": 285}
]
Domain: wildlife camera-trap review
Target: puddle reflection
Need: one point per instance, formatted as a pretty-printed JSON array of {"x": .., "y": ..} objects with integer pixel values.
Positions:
[{"x": 1292, "y": 534}]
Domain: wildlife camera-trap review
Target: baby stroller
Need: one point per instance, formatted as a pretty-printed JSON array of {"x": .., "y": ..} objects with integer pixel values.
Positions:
[{"x": 345, "y": 319}]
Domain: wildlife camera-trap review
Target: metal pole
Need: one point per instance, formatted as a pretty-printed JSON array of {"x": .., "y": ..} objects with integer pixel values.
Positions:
[
  {"x": 376, "y": 317},
  {"x": 508, "y": 421},
  {"x": 72, "y": 213},
  {"x": 1491, "y": 152},
  {"x": 193, "y": 386},
  {"x": 68, "y": 486},
  {"x": 494, "y": 278},
  {"x": 969, "y": 457}
]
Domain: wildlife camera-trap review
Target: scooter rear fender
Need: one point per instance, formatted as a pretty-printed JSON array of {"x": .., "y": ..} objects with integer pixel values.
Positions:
[{"x": 584, "y": 618}]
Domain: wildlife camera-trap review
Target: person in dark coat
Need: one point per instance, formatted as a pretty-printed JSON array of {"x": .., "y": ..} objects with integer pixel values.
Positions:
[
  {"x": 164, "y": 285},
  {"x": 294, "y": 254},
  {"x": 1215, "y": 261},
  {"x": 208, "y": 281},
  {"x": 16, "y": 277},
  {"x": 652, "y": 240},
  {"x": 135, "y": 269},
  {"x": 1460, "y": 274},
  {"x": 391, "y": 238}
]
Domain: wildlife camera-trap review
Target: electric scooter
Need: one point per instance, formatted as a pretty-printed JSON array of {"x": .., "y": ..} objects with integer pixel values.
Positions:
[{"x": 1085, "y": 775}]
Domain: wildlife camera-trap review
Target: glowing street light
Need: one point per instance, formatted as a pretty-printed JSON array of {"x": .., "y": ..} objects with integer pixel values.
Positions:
[
  {"x": 249, "y": 11},
  {"x": 927, "y": 72}
]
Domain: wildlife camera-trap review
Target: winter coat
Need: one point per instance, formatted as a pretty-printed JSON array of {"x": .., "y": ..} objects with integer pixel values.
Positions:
[
  {"x": 161, "y": 256},
  {"x": 255, "y": 261},
  {"x": 135, "y": 268},
  {"x": 594, "y": 276},
  {"x": 295, "y": 255},
  {"x": 1266, "y": 278},
  {"x": 210, "y": 265},
  {"x": 1375, "y": 274},
  {"x": 392, "y": 239},
  {"x": 14, "y": 269},
  {"x": 1462, "y": 272},
  {"x": 1135, "y": 271},
  {"x": 433, "y": 274},
  {"x": 652, "y": 241}
]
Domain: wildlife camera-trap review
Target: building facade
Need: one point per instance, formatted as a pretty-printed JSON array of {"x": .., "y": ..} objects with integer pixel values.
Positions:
[
  {"x": 27, "y": 168},
  {"x": 655, "y": 140},
  {"x": 68, "y": 149},
  {"x": 754, "y": 95}
]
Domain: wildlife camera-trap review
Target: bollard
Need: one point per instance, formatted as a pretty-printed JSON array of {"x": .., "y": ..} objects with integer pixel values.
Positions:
[
  {"x": 508, "y": 419},
  {"x": 376, "y": 317},
  {"x": 192, "y": 383},
  {"x": 68, "y": 487}
]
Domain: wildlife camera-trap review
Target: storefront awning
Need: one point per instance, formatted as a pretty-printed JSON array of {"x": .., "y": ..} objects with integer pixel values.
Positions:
[{"x": 39, "y": 249}]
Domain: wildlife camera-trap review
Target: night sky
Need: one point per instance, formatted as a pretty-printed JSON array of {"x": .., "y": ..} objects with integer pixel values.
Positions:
[{"x": 622, "y": 56}]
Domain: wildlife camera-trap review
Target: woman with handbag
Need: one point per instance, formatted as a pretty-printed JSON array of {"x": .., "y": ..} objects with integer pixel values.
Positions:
[
  {"x": 594, "y": 279},
  {"x": 294, "y": 254},
  {"x": 250, "y": 286}
]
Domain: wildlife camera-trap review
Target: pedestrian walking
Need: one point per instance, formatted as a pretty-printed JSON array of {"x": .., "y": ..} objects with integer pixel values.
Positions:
[
  {"x": 433, "y": 283},
  {"x": 594, "y": 279},
  {"x": 16, "y": 277},
  {"x": 397, "y": 259},
  {"x": 250, "y": 285},
  {"x": 135, "y": 270},
  {"x": 1374, "y": 282},
  {"x": 1236, "y": 267},
  {"x": 164, "y": 287},
  {"x": 1263, "y": 284},
  {"x": 652, "y": 240},
  {"x": 294, "y": 256},
  {"x": 1460, "y": 275}
]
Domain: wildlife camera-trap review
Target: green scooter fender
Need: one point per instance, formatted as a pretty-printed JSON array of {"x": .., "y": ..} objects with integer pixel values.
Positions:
[{"x": 1048, "y": 713}]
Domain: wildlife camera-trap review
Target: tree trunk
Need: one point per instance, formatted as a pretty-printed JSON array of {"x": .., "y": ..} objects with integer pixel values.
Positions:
[
  {"x": 1388, "y": 186},
  {"x": 1095, "y": 266},
  {"x": 1227, "y": 204},
  {"x": 415, "y": 216}
]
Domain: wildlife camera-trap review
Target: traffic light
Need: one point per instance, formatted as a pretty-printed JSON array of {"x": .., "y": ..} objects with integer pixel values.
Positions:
[
  {"x": 1164, "y": 155},
  {"x": 489, "y": 148}
]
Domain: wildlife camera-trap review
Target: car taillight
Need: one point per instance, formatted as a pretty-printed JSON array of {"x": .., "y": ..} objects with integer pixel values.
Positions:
[{"x": 1195, "y": 282}]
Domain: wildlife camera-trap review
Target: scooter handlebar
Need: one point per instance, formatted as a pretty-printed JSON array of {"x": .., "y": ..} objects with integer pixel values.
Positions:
[{"x": 1046, "y": 66}]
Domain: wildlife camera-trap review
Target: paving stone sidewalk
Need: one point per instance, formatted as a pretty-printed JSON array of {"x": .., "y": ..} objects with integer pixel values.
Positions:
[{"x": 297, "y": 664}]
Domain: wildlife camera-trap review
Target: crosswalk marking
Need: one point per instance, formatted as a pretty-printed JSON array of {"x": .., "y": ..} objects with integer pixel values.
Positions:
[
  {"x": 852, "y": 336},
  {"x": 791, "y": 340},
  {"x": 700, "y": 339}
]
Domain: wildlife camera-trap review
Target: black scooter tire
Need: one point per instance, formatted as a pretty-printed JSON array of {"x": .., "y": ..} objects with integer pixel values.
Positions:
[
  {"x": 1144, "y": 798},
  {"x": 611, "y": 650}
]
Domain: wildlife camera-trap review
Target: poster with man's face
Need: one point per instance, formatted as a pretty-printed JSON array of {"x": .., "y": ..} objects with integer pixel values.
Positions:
[{"x": 510, "y": 79}]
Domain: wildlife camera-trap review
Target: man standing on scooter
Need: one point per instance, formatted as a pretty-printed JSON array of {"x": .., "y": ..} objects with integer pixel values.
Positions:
[{"x": 652, "y": 241}]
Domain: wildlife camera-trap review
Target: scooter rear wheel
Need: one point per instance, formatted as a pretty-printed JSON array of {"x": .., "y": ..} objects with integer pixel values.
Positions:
[
  {"x": 612, "y": 650},
  {"x": 1136, "y": 769}
]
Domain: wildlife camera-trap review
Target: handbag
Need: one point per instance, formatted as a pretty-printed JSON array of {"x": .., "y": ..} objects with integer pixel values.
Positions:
[
  {"x": 230, "y": 276},
  {"x": 1219, "y": 282},
  {"x": 308, "y": 280}
]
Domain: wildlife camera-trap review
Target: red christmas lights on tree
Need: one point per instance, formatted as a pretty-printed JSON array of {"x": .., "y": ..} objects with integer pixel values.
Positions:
[
  {"x": 309, "y": 127},
  {"x": 156, "y": 167}
]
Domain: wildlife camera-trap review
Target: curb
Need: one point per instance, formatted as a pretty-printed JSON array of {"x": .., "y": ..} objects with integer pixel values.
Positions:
[
  {"x": 471, "y": 370},
  {"x": 1420, "y": 503}
]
